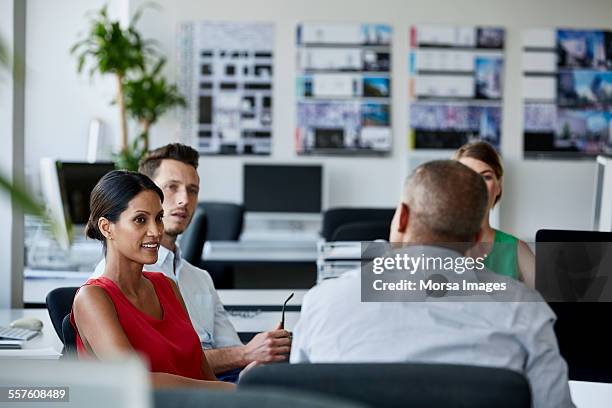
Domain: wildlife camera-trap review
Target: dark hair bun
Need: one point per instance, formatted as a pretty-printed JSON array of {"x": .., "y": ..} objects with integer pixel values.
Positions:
[{"x": 92, "y": 231}]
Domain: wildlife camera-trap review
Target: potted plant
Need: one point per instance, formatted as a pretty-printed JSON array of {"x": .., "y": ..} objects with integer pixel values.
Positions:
[
  {"x": 147, "y": 97},
  {"x": 143, "y": 93}
]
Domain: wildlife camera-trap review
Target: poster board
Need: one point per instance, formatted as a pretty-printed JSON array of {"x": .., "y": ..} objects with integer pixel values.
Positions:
[
  {"x": 456, "y": 85},
  {"x": 343, "y": 89},
  {"x": 226, "y": 72}
]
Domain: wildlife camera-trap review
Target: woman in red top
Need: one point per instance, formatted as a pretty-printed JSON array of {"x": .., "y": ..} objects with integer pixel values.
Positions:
[{"x": 128, "y": 310}]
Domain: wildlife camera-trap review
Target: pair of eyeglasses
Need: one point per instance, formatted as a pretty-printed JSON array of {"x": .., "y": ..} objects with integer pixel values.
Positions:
[{"x": 282, "y": 323}]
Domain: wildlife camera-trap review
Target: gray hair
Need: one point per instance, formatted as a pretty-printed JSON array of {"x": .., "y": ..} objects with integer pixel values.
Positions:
[{"x": 447, "y": 200}]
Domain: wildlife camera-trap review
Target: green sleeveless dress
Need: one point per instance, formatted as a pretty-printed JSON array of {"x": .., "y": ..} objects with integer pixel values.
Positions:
[{"x": 503, "y": 258}]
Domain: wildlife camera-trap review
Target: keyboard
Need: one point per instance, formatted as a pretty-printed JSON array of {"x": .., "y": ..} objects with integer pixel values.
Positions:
[{"x": 17, "y": 334}]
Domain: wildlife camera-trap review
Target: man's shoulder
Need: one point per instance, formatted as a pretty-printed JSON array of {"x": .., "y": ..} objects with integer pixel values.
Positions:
[
  {"x": 522, "y": 305},
  {"x": 333, "y": 289},
  {"x": 195, "y": 270}
]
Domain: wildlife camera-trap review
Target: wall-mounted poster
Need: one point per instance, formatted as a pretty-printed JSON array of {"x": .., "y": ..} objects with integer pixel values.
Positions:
[
  {"x": 343, "y": 89},
  {"x": 456, "y": 85},
  {"x": 567, "y": 90},
  {"x": 226, "y": 71}
]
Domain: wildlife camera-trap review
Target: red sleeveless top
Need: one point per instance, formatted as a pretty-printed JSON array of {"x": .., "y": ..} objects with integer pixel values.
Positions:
[{"x": 171, "y": 344}]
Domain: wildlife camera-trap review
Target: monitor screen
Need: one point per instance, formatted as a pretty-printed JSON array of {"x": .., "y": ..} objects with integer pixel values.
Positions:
[
  {"x": 76, "y": 181},
  {"x": 282, "y": 188},
  {"x": 574, "y": 274}
]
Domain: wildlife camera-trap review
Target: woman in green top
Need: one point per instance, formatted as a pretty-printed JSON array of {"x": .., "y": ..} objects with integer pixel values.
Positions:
[{"x": 506, "y": 254}]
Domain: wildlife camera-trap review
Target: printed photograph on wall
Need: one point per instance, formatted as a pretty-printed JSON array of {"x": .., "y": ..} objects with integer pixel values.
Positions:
[
  {"x": 440, "y": 125},
  {"x": 456, "y": 85},
  {"x": 343, "y": 89},
  {"x": 227, "y": 72},
  {"x": 567, "y": 93}
]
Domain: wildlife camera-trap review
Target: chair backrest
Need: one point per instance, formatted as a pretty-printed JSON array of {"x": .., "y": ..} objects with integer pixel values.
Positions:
[
  {"x": 262, "y": 398},
  {"x": 68, "y": 336},
  {"x": 336, "y": 217},
  {"x": 193, "y": 239},
  {"x": 59, "y": 304},
  {"x": 362, "y": 231},
  {"x": 225, "y": 220},
  {"x": 400, "y": 384}
]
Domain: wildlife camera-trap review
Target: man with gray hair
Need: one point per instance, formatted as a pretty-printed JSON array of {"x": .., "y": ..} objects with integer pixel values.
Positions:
[
  {"x": 445, "y": 202},
  {"x": 440, "y": 213}
]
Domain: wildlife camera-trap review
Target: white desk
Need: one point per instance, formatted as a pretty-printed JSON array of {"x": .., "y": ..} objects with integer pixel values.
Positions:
[
  {"x": 254, "y": 310},
  {"x": 260, "y": 251},
  {"x": 255, "y": 321},
  {"x": 47, "y": 340},
  {"x": 38, "y": 283},
  {"x": 261, "y": 297},
  {"x": 591, "y": 394}
]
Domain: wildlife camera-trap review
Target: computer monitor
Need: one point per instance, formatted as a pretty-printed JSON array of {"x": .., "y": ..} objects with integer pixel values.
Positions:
[
  {"x": 66, "y": 187},
  {"x": 574, "y": 275},
  {"x": 76, "y": 181},
  {"x": 574, "y": 266},
  {"x": 273, "y": 188}
]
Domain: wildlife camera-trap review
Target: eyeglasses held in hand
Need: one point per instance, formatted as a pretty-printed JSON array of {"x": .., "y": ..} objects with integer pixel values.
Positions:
[{"x": 282, "y": 323}]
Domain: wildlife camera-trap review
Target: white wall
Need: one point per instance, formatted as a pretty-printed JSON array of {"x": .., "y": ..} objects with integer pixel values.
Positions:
[
  {"x": 537, "y": 193},
  {"x": 59, "y": 102}
]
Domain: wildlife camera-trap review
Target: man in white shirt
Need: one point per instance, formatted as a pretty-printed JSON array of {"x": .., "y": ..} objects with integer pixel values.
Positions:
[
  {"x": 174, "y": 169},
  {"x": 443, "y": 202}
]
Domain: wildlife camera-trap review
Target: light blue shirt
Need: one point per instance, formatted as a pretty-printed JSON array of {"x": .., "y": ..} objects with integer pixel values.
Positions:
[
  {"x": 208, "y": 316},
  {"x": 335, "y": 326}
]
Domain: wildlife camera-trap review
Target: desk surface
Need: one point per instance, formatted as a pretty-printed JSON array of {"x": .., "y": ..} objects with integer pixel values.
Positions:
[
  {"x": 591, "y": 394},
  {"x": 46, "y": 340},
  {"x": 260, "y": 251}
]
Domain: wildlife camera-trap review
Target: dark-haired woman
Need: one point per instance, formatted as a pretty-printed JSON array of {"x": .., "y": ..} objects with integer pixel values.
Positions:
[
  {"x": 127, "y": 310},
  {"x": 506, "y": 255}
]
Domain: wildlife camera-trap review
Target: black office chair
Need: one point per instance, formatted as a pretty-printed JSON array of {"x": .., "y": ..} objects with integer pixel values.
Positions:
[
  {"x": 362, "y": 231},
  {"x": 261, "y": 398},
  {"x": 194, "y": 237},
  {"x": 225, "y": 221},
  {"x": 400, "y": 385},
  {"x": 68, "y": 336},
  {"x": 59, "y": 304},
  {"x": 334, "y": 218}
]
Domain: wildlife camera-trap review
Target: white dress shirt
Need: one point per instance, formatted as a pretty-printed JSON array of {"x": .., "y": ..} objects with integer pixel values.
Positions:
[
  {"x": 335, "y": 326},
  {"x": 208, "y": 316}
]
